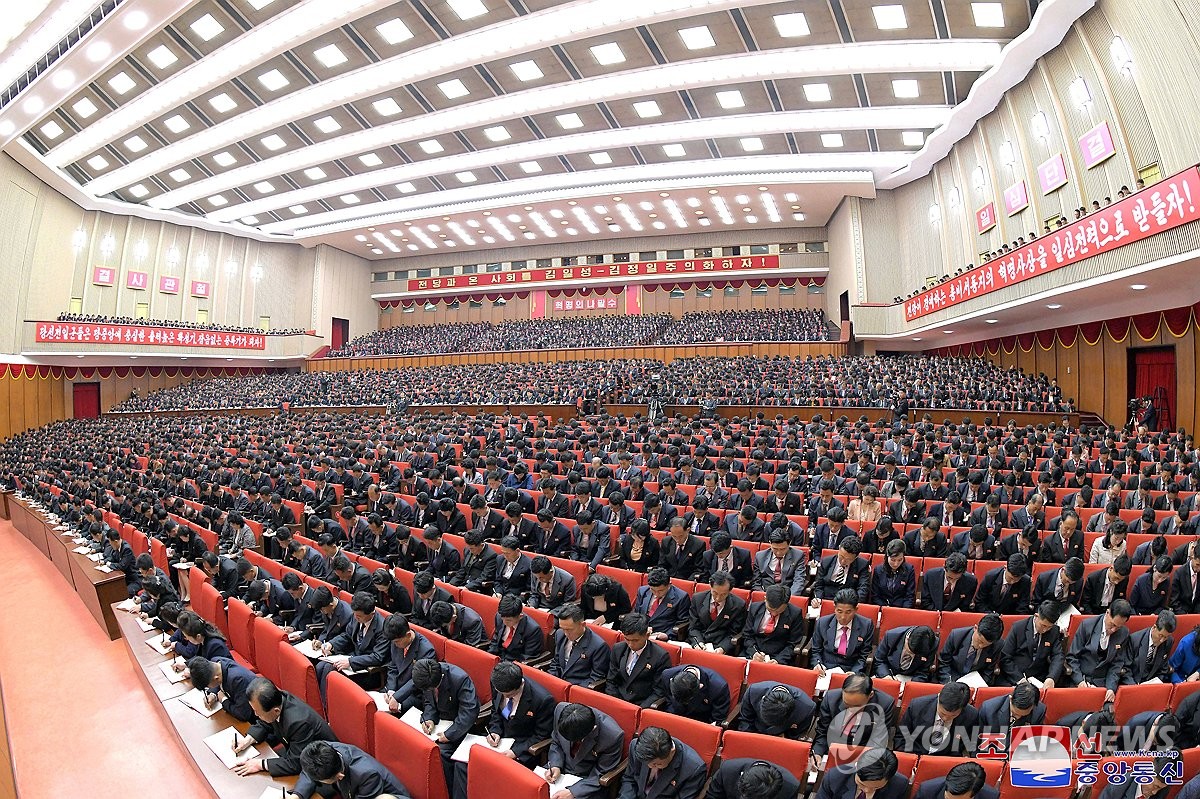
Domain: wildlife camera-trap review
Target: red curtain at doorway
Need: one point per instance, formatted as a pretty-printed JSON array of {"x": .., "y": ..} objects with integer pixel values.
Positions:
[{"x": 1152, "y": 369}]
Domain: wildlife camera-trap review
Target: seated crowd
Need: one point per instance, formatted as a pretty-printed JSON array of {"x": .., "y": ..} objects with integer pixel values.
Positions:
[
  {"x": 773, "y": 381},
  {"x": 98, "y": 319},
  {"x": 805, "y": 324},
  {"x": 938, "y": 575}
]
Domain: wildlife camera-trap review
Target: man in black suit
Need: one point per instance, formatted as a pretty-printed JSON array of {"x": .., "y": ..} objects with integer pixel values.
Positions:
[
  {"x": 549, "y": 586},
  {"x": 773, "y": 629},
  {"x": 362, "y": 646},
  {"x": 280, "y": 720},
  {"x": 636, "y": 664},
  {"x": 1063, "y": 585},
  {"x": 744, "y": 778},
  {"x": 1150, "y": 650},
  {"x": 444, "y": 559},
  {"x": 552, "y": 538},
  {"x": 990, "y": 515},
  {"x": 410, "y": 549},
  {"x": 457, "y": 622},
  {"x": 845, "y": 570},
  {"x": 445, "y": 693},
  {"x": 696, "y": 692},
  {"x": 221, "y": 571},
  {"x": 1101, "y": 588},
  {"x": 948, "y": 587},
  {"x": 662, "y": 767},
  {"x": 830, "y": 534},
  {"x": 874, "y": 773},
  {"x": 716, "y": 616},
  {"x": 225, "y": 681},
  {"x": 700, "y": 520},
  {"x": 407, "y": 647},
  {"x": 1100, "y": 651},
  {"x": 585, "y": 743},
  {"x": 927, "y": 541},
  {"x": 591, "y": 540},
  {"x": 773, "y": 708},
  {"x": 1034, "y": 649},
  {"x": 343, "y": 769},
  {"x": 1020, "y": 708},
  {"x": 972, "y": 649},
  {"x": 1065, "y": 542},
  {"x": 682, "y": 554},
  {"x": 478, "y": 570},
  {"x": 1004, "y": 589},
  {"x": 783, "y": 501},
  {"x": 1032, "y": 514},
  {"x": 486, "y": 520},
  {"x": 950, "y": 511},
  {"x": 722, "y": 555},
  {"x": 551, "y": 500},
  {"x": 964, "y": 781},
  {"x": 517, "y": 636},
  {"x": 580, "y": 656},
  {"x": 349, "y": 576},
  {"x": 940, "y": 725},
  {"x": 842, "y": 639},
  {"x": 780, "y": 564},
  {"x": 618, "y": 514},
  {"x": 330, "y": 611},
  {"x": 513, "y": 568},
  {"x": 909, "y": 510},
  {"x": 1185, "y": 585},
  {"x": 907, "y": 652},
  {"x": 857, "y": 714}
]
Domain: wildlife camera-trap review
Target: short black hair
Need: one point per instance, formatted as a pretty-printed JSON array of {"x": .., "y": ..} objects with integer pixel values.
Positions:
[
  {"x": 1025, "y": 695},
  {"x": 426, "y": 674},
  {"x": 423, "y": 581},
  {"x": 635, "y": 624},
  {"x": 777, "y": 705},
  {"x": 320, "y": 762},
  {"x": 658, "y": 576},
  {"x": 877, "y": 764},
  {"x": 201, "y": 671},
  {"x": 440, "y": 613},
  {"x": 846, "y": 596},
  {"x": 991, "y": 627},
  {"x": 760, "y": 780},
  {"x": 922, "y": 640},
  {"x": 510, "y": 605},
  {"x": 965, "y": 779},
  {"x": 685, "y": 685},
  {"x": 506, "y": 676},
  {"x": 954, "y": 696},
  {"x": 363, "y": 602},
  {"x": 653, "y": 743},
  {"x": 576, "y": 721},
  {"x": 396, "y": 627}
]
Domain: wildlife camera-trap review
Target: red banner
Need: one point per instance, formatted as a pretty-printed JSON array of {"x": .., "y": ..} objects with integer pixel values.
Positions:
[
  {"x": 89, "y": 333},
  {"x": 597, "y": 272},
  {"x": 200, "y": 288},
  {"x": 985, "y": 218},
  {"x": 1166, "y": 205},
  {"x": 585, "y": 303},
  {"x": 169, "y": 285},
  {"x": 103, "y": 276}
]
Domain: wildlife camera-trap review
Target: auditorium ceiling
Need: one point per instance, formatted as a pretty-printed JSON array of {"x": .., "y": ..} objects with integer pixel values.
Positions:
[{"x": 351, "y": 122}]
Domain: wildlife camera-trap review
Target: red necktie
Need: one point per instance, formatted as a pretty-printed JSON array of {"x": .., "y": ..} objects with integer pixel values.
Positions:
[
  {"x": 769, "y": 624},
  {"x": 653, "y": 607},
  {"x": 843, "y": 640},
  {"x": 508, "y": 636},
  {"x": 714, "y": 611}
]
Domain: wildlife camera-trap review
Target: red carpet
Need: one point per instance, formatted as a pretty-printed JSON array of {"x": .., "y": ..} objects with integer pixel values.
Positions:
[{"x": 79, "y": 721}]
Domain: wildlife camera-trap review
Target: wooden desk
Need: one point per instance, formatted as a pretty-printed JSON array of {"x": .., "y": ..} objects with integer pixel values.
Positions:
[
  {"x": 190, "y": 727},
  {"x": 97, "y": 590},
  {"x": 4, "y": 511}
]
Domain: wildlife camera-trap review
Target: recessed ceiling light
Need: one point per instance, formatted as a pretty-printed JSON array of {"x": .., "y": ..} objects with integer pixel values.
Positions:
[
  {"x": 264, "y": 187},
  {"x": 497, "y": 133},
  {"x": 431, "y": 146},
  {"x": 674, "y": 150},
  {"x": 406, "y": 188},
  {"x": 217, "y": 200},
  {"x": 298, "y": 209},
  {"x": 370, "y": 159},
  {"x": 180, "y": 175},
  {"x": 889, "y": 18},
  {"x": 1054, "y": 306},
  {"x": 947, "y": 332},
  {"x": 177, "y": 124},
  {"x": 731, "y": 99},
  {"x": 453, "y": 89},
  {"x": 607, "y": 53},
  {"x": 913, "y": 138},
  {"x": 273, "y": 80},
  {"x": 139, "y": 190},
  {"x": 526, "y": 70},
  {"x": 467, "y": 9},
  {"x": 530, "y": 167},
  {"x": 817, "y": 92},
  {"x": 991, "y": 321},
  {"x": 121, "y": 83},
  {"x": 98, "y": 51},
  {"x": 647, "y": 109},
  {"x": 63, "y": 78},
  {"x": 751, "y": 144},
  {"x": 52, "y": 130},
  {"x": 314, "y": 173},
  {"x": 465, "y": 177},
  {"x": 134, "y": 144},
  {"x": 1138, "y": 286},
  {"x": 259, "y": 5},
  {"x": 222, "y": 103},
  {"x": 569, "y": 121},
  {"x": 207, "y": 27},
  {"x": 249, "y": 220},
  {"x": 84, "y": 108},
  {"x": 988, "y": 15},
  {"x": 752, "y": 220},
  {"x": 916, "y": 338},
  {"x": 330, "y": 55},
  {"x": 600, "y": 159},
  {"x": 831, "y": 140},
  {"x": 349, "y": 199},
  {"x": 386, "y": 107},
  {"x": 394, "y": 31},
  {"x": 136, "y": 20},
  {"x": 906, "y": 88},
  {"x": 98, "y": 162},
  {"x": 273, "y": 142},
  {"x": 225, "y": 158},
  {"x": 791, "y": 25},
  {"x": 799, "y": 217},
  {"x": 162, "y": 57},
  {"x": 698, "y": 38},
  {"x": 327, "y": 124}
]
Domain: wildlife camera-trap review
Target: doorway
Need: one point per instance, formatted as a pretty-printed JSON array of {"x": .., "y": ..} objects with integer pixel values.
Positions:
[
  {"x": 85, "y": 398},
  {"x": 1152, "y": 374},
  {"x": 339, "y": 333}
]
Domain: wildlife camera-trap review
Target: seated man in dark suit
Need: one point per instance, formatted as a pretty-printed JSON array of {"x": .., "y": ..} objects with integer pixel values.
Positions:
[
  {"x": 331, "y": 612},
  {"x": 1101, "y": 588},
  {"x": 663, "y": 603},
  {"x": 280, "y": 720},
  {"x": 444, "y": 559},
  {"x": 907, "y": 653},
  {"x": 1026, "y": 542},
  {"x": 874, "y": 773},
  {"x": 744, "y": 778},
  {"x": 681, "y": 554},
  {"x": 550, "y": 587},
  {"x": 972, "y": 649},
  {"x": 780, "y": 564},
  {"x": 517, "y": 636},
  {"x": 552, "y": 538},
  {"x": 940, "y": 725},
  {"x": 478, "y": 570},
  {"x": 1156, "y": 788},
  {"x": 1021, "y": 708},
  {"x": 362, "y": 646},
  {"x": 591, "y": 540},
  {"x": 457, "y": 622},
  {"x": 1005, "y": 589},
  {"x": 513, "y": 568},
  {"x": 964, "y": 781},
  {"x": 655, "y": 755},
  {"x": 407, "y": 646},
  {"x": 445, "y": 693},
  {"x": 1063, "y": 585},
  {"x": 636, "y": 664},
  {"x": 772, "y": 708},
  {"x": 348, "y": 576},
  {"x": 1100, "y": 651},
  {"x": 722, "y": 555},
  {"x": 927, "y": 541},
  {"x": 842, "y": 639},
  {"x": 580, "y": 655},
  {"x": 223, "y": 682},
  {"x": 863, "y": 716},
  {"x": 1065, "y": 542},
  {"x": 1185, "y": 583},
  {"x": 336, "y": 768},
  {"x": 844, "y": 570},
  {"x": 1149, "y": 651},
  {"x": 774, "y": 628},
  {"x": 830, "y": 534},
  {"x": 716, "y": 616},
  {"x": 1033, "y": 649},
  {"x": 696, "y": 692},
  {"x": 976, "y": 543},
  {"x": 949, "y": 587},
  {"x": 585, "y": 743}
]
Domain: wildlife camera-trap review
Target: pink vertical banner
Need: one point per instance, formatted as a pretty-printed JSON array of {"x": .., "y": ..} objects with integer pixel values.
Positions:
[
  {"x": 104, "y": 276},
  {"x": 169, "y": 285},
  {"x": 1052, "y": 173},
  {"x": 200, "y": 288},
  {"x": 633, "y": 300},
  {"x": 537, "y": 305},
  {"x": 1016, "y": 198},
  {"x": 1097, "y": 145},
  {"x": 985, "y": 218},
  {"x": 137, "y": 280}
]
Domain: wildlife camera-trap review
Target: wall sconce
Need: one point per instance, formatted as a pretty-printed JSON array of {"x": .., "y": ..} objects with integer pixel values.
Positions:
[
  {"x": 1120, "y": 55},
  {"x": 231, "y": 267},
  {"x": 173, "y": 256},
  {"x": 978, "y": 179},
  {"x": 78, "y": 239},
  {"x": 202, "y": 262},
  {"x": 141, "y": 250},
  {"x": 256, "y": 272},
  {"x": 1007, "y": 156},
  {"x": 955, "y": 198},
  {"x": 107, "y": 245},
  {"x": 935, "y": 213},
  {"x": 1081, "y": 95},
  {"x": 1039, "y": 125}
]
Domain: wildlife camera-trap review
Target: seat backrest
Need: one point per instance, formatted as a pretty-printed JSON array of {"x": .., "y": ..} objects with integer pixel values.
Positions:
[
  {"x": 620, "y": 711},
  {"x": 158, "y": 553},
  {"x": 630, "y": 580},
  {"x": 351, "y": 712},
  {"x": 195, "y": 577},
  {"x": 298, "y": 677},
  {"x": 492, "y": 773},
  {"x": 785, "y": 753},
  {"x": 930, "y": 767},
  {"x": 485, "y": 605},
  {"x": 241, "y": 636},
  {"x": 412, "y": 758},
  {"x": 704, "y": 738},
  {"x": 556, "y": 687},
  {"x": 267, "y": 638},
  {"x": 804, "y": 679},
  {"x": 1061, "y": 701},
  {"x": 915, "y": 690},
  {"x": 731, "y": 668},
  {"x": 1133, "y": 699},
  {"x": 477, "y": 664}
]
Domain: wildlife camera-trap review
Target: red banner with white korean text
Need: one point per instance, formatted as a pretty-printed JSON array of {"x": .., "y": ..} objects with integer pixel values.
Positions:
[
  {"x": 1168, "y": 204},
  {"x": 93, "y": 333}
]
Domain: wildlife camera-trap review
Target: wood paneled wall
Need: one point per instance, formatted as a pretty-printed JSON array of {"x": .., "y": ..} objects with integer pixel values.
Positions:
[{"x": 27, "y": 402}]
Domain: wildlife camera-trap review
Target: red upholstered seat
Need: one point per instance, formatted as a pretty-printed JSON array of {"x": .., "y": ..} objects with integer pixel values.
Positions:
[
  {"x": 704, "y": 738},
  {"x": 298, "y": 677},
  {"x": 351, "y": 712},
  {"x": 411, "y": 757},
  {"x": 1133, "y": 699},
  {"x": 557, "y": 688},
  {"x": 267, "y": 638},
  {"x": 1061, "y": 701},
  {"x": 785, "y": 753},
  {"x": 477, "y": 664},
  {"x": 620, "y": 711},
  {"x": 930, "y": 767},
  {"x": 241, "y": 635},
  {"x": 492, "y": 774}
]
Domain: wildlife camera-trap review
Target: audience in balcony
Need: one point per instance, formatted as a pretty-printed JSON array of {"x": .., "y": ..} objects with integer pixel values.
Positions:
[{"x": 97, "y": 319}]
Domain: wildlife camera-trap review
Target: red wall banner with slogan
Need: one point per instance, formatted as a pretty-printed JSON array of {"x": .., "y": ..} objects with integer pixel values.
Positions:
[{"x": 91, "y": 333}]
